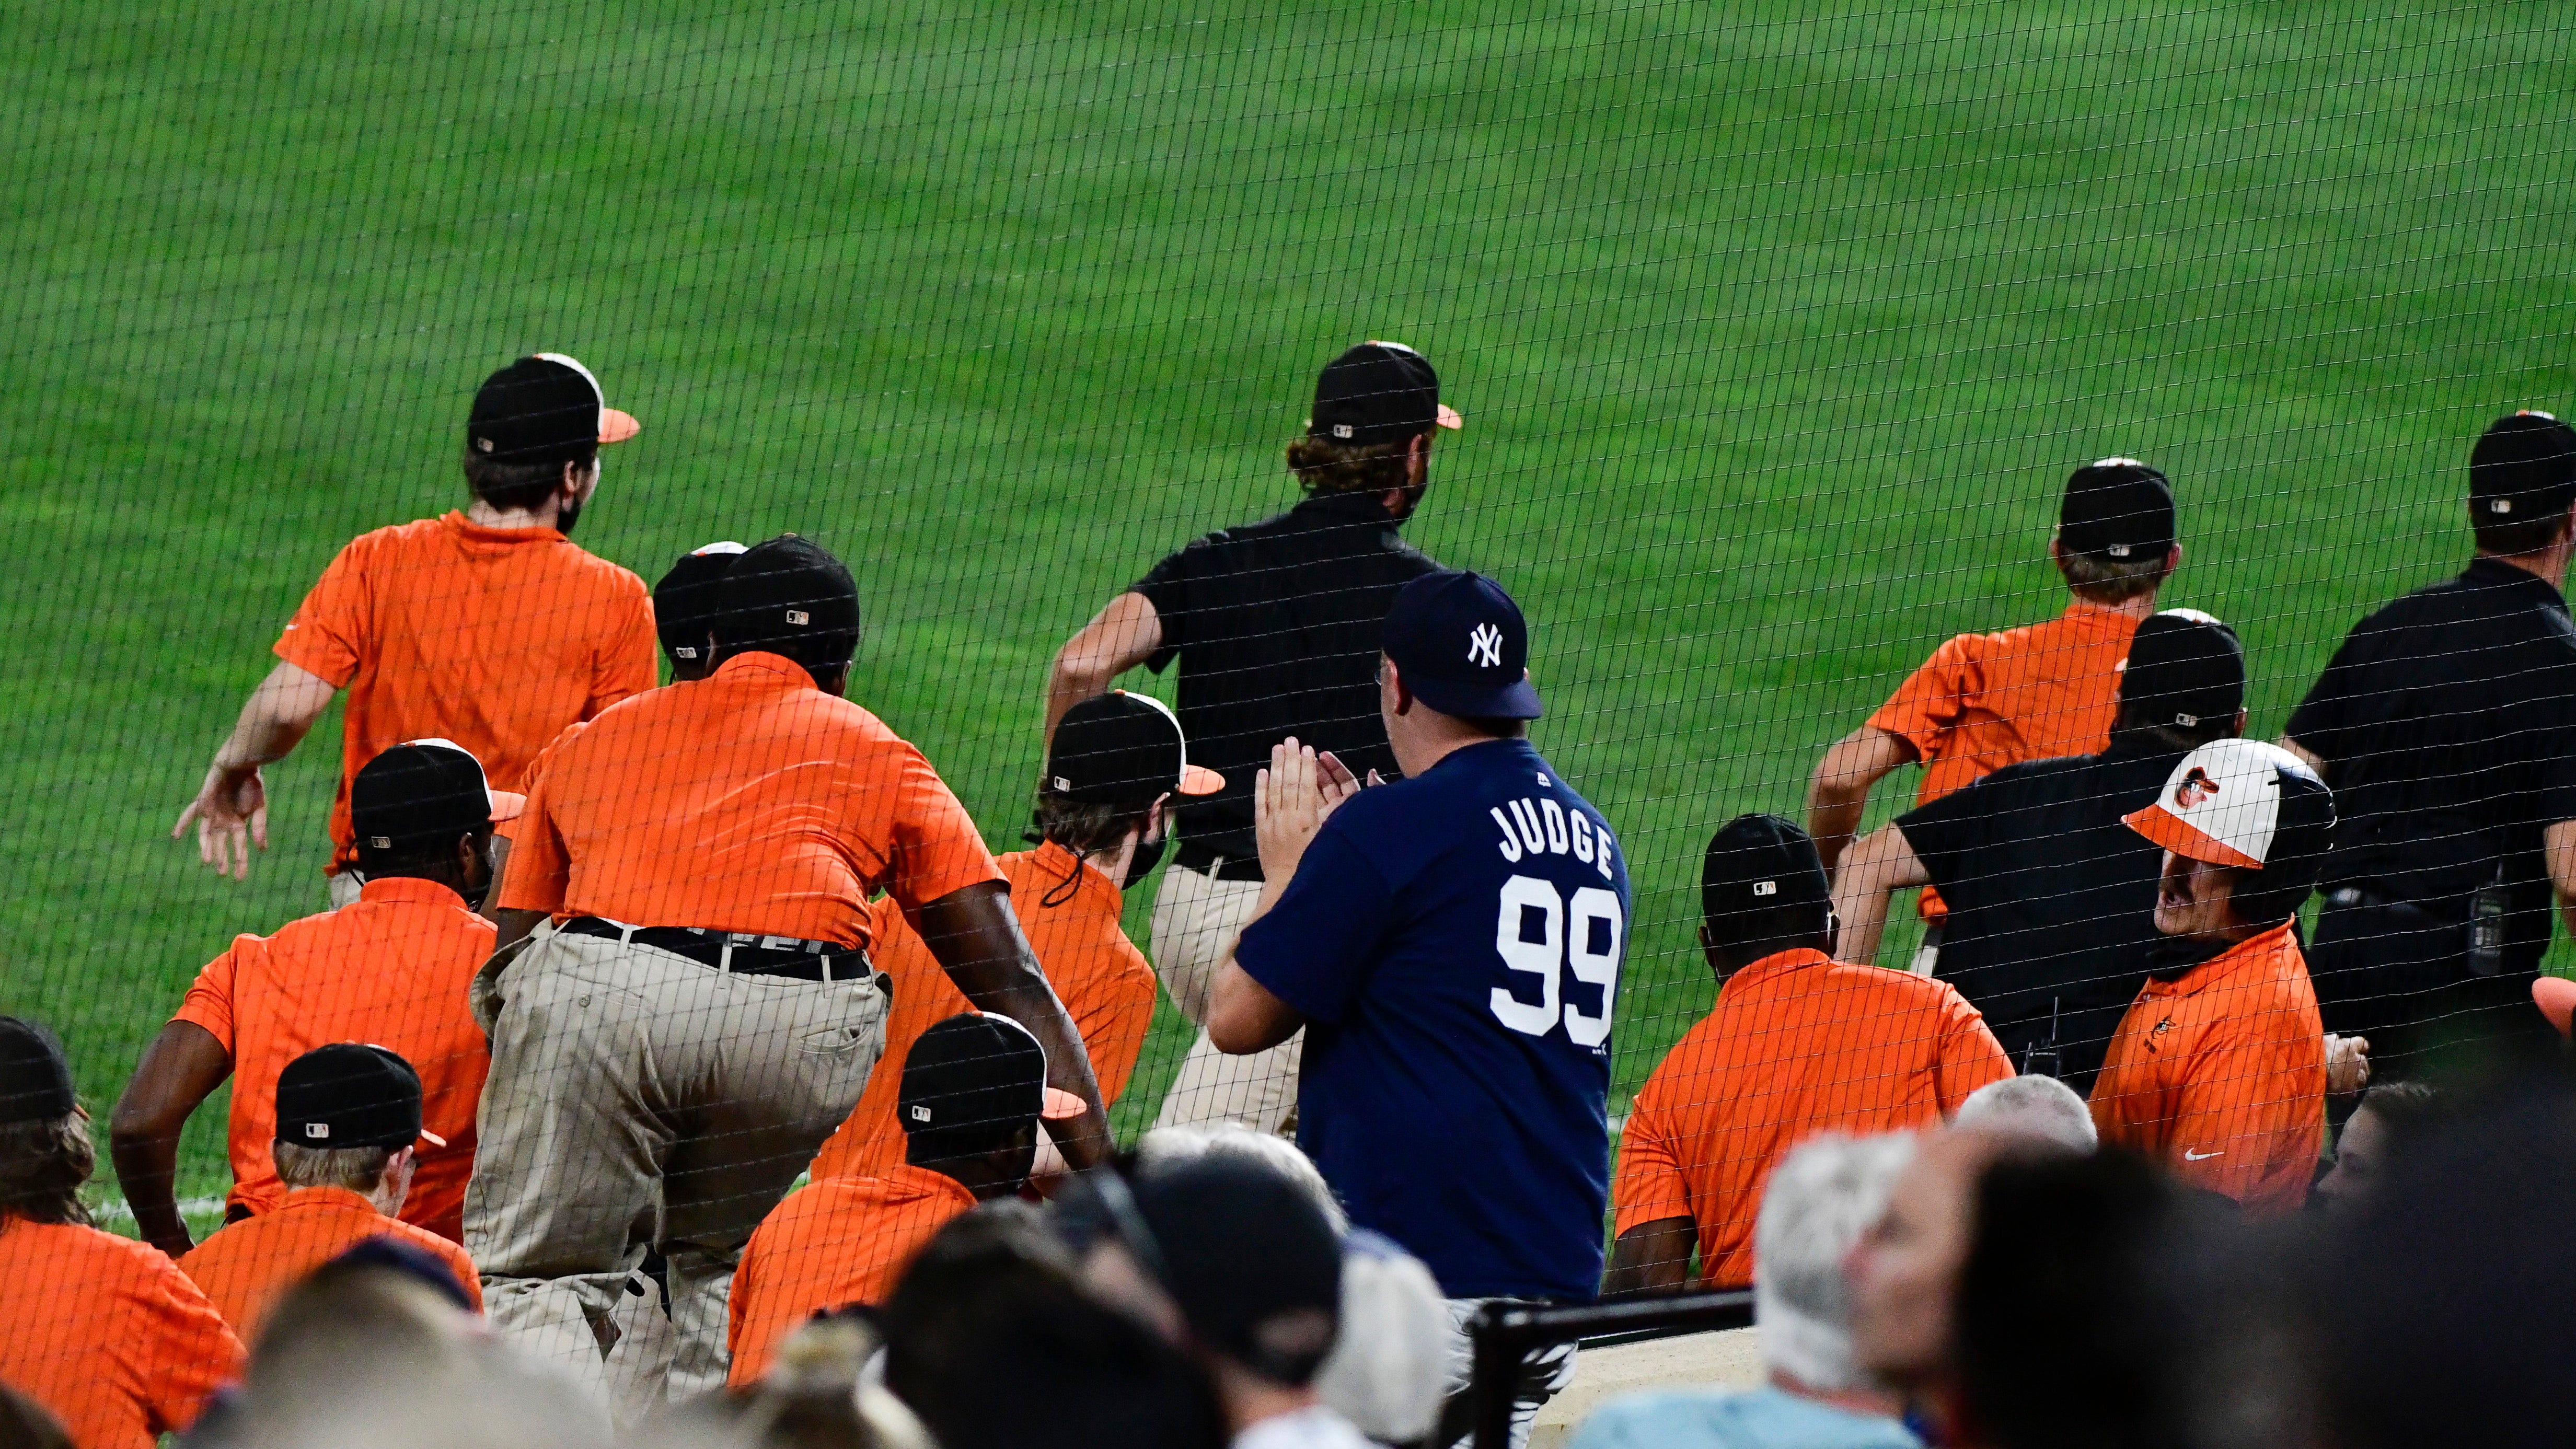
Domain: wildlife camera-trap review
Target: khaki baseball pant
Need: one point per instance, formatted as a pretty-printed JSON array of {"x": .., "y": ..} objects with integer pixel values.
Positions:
[
  {"x": 637, "y": 1097},
  {"x": 1196, "y": 918}
]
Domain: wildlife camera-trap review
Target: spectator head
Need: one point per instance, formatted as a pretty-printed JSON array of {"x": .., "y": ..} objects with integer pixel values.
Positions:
[
  {"x": 973, "y": 1091},
  {"x": 1455, "y": 652},
  {"x": 364, "y": 1353},
  {"x": 1762, "y": 890},
  {"x": 1116, "y": 761},
  {"x": 2463, "y": 1242},
  {"x": 2030, "y": 1106},
  {"x": 685, "y": 604},
  {"x": 1903, "y": 1275},
  {"x": 995, "y": 1344},
  {"x": 2391, "y": 1115},
  {"x": 348, "y": 1116},
  {"x": 425, "y": 809},
  {"x": 1816, "y": 1205},
  {"x": 2115, "y": 531},
  {"x": 412, "y": 1261},
  {"x": 533, "y": 438},
  {"x": 2063, "y": 1336},
  {"x": 2522, "y": 481},
  {"x": 1167, "y": 1147},
  {"x": 2245, "y": 827},
  {"x": 45, "y": 1151},
  {"x": 1389, "y": 1369},
  {"x": 815, "y": 1396},
  {"x": 1377, "y": 408},
  {"x": 26, "y": 1424},
  {"x": 790, "y": 597},
  {"x": 1252, "y": 1262},
  {"x": 2184, "y": 683}
]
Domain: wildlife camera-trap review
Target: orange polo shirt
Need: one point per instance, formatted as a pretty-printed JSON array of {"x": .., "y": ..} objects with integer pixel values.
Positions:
[
  {"x": 832, "y": 1242},
  {"x": 390, "y": 968},
  {"x": 107, "y": 1334},
  {"x": 1798, "y": 1044},
  {"x": 745, "y": 801},
  {"x": 2220, "y": 1075},
  {"x": 1984, "y": 701},
  {"x": 247, "y": 1266},
  {"x": 495, "y": 638},
  {"x": 1105, "y": 983}
]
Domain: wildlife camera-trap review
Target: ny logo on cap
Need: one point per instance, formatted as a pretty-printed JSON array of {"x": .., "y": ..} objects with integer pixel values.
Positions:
[{"x": 1485, "y": 647}]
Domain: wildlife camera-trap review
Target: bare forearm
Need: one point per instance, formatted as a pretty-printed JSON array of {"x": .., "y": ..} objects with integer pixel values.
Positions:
[
  {"x": 1882, "y": 863},
  {"x": 1121, "y": 636},
  {"x": 275, "y": 719},
  {"x": 1863, "y": 914},
  {"x": 977, "y": 941},
  {"x": 147, "y": 1171},
  {"x": 1838, "y": 791},
  {"x": 1650, "y": 1258},
  {"x": 178, "y": 1070}
]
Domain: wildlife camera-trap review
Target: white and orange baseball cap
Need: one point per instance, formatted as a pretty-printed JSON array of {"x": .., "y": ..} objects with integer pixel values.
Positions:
[{"x": 2246, "y": 804}]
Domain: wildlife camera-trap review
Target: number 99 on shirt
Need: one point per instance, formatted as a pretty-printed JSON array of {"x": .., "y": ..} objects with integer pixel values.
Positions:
[{"x": 1540, "y": 932}]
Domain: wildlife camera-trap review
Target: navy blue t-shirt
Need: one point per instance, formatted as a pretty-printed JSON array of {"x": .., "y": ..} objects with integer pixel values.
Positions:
[{"x": 1454, "y": 944}]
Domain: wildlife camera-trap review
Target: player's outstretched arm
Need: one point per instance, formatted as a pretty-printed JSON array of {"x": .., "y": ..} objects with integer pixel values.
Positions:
[
  {"x": 1118, "y": 638},
  {"x": 1839, "y": 790},
  {"x": 977, "y": 940},
  {"x": 231, "y": 808},
  {"x": 1651, "y": 1258},
  {"x": 180, "y": 1069},
  {"x": 1882, "y": 863}
]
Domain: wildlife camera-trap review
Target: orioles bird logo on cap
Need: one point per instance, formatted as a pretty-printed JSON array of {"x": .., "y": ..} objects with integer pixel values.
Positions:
[{"x": 2195, "y": 787}]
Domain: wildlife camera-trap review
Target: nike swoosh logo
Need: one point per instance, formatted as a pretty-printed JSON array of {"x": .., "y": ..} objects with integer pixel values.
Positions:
[{"x": 2190, "y": 1156}]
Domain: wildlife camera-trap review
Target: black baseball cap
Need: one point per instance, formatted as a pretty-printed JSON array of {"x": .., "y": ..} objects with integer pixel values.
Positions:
[
  {"x": 542, "y": 408},
  {"x": 1378, "y": 392},
  {"x": 791, "y": 597},
  {"x": 2524, "y": 466},
  {"x": 1249, "y": 1258},
  {"x": 978, "y": 1070},
  {"x": 350, "y": 1095},
  {"x": 423, "y": 794},
  {"x": 2185, "y": 667},
  {"x": 1759, "y": 863},
  {"x": 688, "y": 598},
  {"x": 1124, "y": 749},
  {"x": 1462, "y": 647},
  {"x": 2117, "y": 509},
  {"x": 35, "y": 1078}
]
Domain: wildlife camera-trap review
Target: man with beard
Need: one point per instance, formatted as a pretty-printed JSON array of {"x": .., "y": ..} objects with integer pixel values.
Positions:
[{"x": 487, "y": 626}]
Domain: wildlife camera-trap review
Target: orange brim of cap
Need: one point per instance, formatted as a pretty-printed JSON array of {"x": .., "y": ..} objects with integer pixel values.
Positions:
[
  {"x": 432, "y": 1138},
  {"x": 1200, "y": 780},
  {"x": 506, "y": 805},
  {"x": 1061, "y": 1106},
  {"x": 2187, "y": 840},
  {"x": 1449, "y": 418},
  {"x": 2556, "y": 998},
  {"x": 617, "y": 427}
]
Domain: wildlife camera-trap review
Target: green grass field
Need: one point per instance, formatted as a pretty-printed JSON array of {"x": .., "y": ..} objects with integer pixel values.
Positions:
[{"x": 1777, "y": 327}]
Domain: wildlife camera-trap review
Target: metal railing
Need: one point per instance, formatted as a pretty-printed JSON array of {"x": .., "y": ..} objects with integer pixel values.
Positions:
[{"x": 1505, "y": 1334}]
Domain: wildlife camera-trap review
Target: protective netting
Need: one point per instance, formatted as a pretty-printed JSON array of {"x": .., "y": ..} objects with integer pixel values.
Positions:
[{"x": 1777, "y": 332}]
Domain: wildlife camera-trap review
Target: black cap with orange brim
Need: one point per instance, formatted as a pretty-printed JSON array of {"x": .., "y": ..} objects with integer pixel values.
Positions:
[
  {"x": 542, "y": 408},
  {"x": 1124, "y": 749}
]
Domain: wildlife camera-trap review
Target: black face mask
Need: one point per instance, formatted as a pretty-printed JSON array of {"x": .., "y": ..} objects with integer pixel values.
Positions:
[{"x": 1148, "y": 854}]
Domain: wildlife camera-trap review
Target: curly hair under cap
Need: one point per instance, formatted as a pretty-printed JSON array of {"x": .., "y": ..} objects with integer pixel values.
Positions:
[{"x": 43, "y": 1166}]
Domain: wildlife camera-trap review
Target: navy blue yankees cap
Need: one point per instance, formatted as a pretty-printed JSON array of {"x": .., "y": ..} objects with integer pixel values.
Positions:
[{"x": 1461, "y": 646}]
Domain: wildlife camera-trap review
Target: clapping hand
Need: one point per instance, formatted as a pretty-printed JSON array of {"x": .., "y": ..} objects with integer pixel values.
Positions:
[{"x": 1292, "y": 799}]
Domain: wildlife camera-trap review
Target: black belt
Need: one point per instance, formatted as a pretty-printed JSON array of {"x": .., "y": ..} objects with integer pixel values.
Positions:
[
  {"x": 740, "y": 953},
  {"x": 1221, "y": 867}
]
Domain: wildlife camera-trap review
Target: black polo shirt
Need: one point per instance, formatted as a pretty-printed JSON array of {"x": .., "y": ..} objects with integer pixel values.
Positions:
[
  {"x": 2052, "y": 900},
  {"x": 2447, "y": 722},
  {"x": 1276, "y": 628}
]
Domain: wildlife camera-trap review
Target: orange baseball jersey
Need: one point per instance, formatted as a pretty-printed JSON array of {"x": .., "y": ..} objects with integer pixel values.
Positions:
[
  {"x": 390, "y": 968},
  {"x": 2220, "y": 1074},
  {"x": 1104, "y": 981},
  {"x": 832, "y": 1242},
  {"x": 107, "y": 1334},
  {"x": 495, "y": 638},
  {"x": 745, "y": 801},
  {"x": 247, "y": 1266},
  {"x": 1984, "y": 701},
  {"x": 1798, "y": 1044}
]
